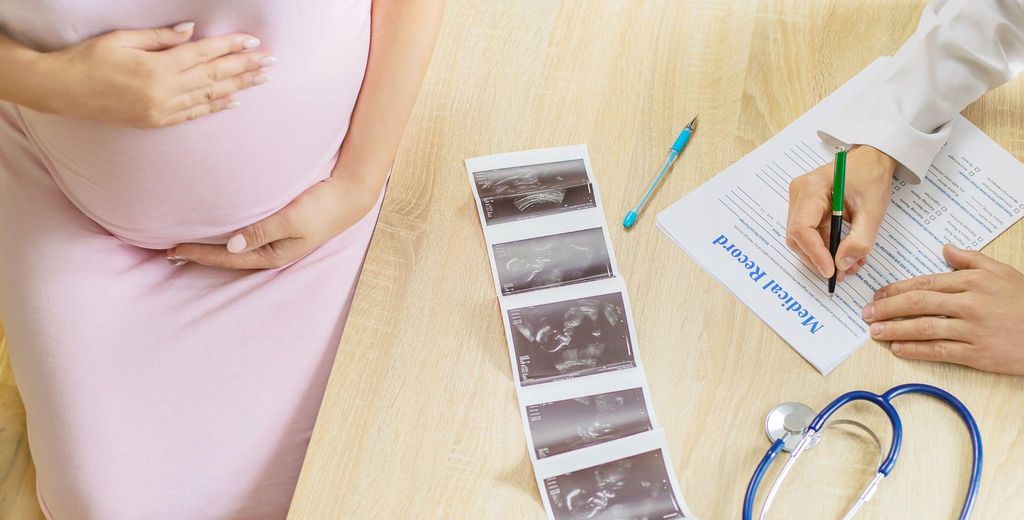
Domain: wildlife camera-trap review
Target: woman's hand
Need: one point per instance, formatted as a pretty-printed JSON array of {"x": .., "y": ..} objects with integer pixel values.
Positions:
[
  {"x": 868, "y": 191},
  {"x": 149, "y": 78},
  {"x": 973, "y": 316},
  {"x": 401, "y": 42},
  {"x": 314, "y": 217}
]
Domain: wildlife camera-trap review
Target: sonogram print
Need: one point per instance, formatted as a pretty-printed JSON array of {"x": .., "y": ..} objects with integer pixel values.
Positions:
[
  {"x": 571, "y": 338},
  {"x": 552, "y": 261},
  {"x": 561, "y": 426},
  {"x": 633, "y": 488},
  {"x": 535, "y": 190}
]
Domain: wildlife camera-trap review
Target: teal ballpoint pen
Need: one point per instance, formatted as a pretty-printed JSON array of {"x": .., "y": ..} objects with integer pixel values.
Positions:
[{"x": 673, "y": 153}]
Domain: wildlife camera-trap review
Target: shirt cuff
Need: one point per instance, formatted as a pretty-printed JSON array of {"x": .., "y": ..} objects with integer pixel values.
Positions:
[{"x": 912, "y": 150}]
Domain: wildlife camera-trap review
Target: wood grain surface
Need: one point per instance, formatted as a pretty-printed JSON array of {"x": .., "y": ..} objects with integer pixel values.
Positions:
[
  {"x": 17, "y": 474},
  {"x": 420, "y": 416}
]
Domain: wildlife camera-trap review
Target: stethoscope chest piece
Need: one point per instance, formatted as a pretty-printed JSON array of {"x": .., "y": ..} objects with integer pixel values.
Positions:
[{"x": 790, "y": 419}]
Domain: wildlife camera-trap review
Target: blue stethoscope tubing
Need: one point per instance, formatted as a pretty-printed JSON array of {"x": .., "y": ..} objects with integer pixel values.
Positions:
[{"x": 883, "y": 401}]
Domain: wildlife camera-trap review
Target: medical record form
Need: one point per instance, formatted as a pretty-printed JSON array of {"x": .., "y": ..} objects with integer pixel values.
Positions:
[{"x": 735, "y": 226}]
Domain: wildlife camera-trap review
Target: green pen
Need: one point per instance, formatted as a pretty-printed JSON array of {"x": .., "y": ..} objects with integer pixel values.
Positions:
[{"x": 838, "y": 186}]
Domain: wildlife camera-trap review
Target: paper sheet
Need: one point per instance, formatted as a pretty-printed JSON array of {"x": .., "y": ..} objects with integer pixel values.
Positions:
[
  {"x": 591, "y": 431},
  {"x": 735, "y": 225}
]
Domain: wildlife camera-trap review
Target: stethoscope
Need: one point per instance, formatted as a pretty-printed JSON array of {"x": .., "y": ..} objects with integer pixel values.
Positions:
[{"x": 794, "y": 428}]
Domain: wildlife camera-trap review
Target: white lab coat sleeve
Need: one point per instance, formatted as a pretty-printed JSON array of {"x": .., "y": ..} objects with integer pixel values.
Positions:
[{"x": 961, "y": 49}]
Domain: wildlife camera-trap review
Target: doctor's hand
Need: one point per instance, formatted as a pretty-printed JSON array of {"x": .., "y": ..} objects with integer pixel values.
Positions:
[
  {"x": 317, "y": 215},
  {"x": 147, "y": 78},
  {"x": 868, "y": 191},
  {"x": 973, "y": 316}
]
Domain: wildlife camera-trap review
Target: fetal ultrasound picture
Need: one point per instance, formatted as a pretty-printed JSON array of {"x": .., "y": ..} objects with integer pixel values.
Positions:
[
  {"x": 523, "y": 192},
  {"x": 572, "y": 338},
  {"x": 561, "y": 426},
  {"x": 552, "y": 261},
  {"x": 633, "y": 488}
]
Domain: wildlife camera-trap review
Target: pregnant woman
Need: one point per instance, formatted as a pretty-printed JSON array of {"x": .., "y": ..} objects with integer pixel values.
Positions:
[{"x": 187, "y": 191}]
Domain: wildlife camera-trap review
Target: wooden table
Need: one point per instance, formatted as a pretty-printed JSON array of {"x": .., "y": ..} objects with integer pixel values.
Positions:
[{"x": 420, "y": 417}]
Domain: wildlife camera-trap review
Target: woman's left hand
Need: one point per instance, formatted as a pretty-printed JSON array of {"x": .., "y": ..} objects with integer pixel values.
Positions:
[
  {"x": 973, "y": 316},
  {"x": 317, "y": 215}
]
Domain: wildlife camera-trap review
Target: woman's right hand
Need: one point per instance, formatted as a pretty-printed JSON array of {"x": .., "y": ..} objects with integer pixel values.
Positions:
[
  {"x": 150, "y": 78},
  {"x": 868, "y": 191}
]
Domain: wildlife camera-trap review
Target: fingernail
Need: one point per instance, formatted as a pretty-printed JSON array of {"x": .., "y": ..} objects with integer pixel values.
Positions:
[
  {"x": 172, "y": 257},
  {"x": 233, "y": 104},
  {"x": 184, "y": 27},
  {"x": 177, "y": 262},
  {"x": 261, "y": 79},
  {"x": 846, "y": 262},
  {"x": 823, "y": 272},
  {"x": 879, "y": 294},
  {"x": 896, "y": 348},
  {"x": 251, "y": 42},
  {"x": 268, "y": 61},
  {"x": 868, "y": 312},
  {"x": 876, "y": 329},
  {"x": 236, "y": 244}
]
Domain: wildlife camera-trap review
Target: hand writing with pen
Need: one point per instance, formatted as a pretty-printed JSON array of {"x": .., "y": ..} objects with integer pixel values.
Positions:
[{"x": 972, "y": 316}]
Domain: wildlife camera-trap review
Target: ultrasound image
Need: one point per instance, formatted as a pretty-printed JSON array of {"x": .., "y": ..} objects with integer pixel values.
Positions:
[
  {"x": 523, "y": 192},
  {"x": 552, "y": 261},
  {"x": 561, "y": 426},
  {"x": 633, "y": 488},
  {"x": 571, "y": 338}
]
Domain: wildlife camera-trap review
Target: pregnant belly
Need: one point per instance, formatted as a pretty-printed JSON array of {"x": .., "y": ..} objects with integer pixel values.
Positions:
[{"x": 202, "y": 180}]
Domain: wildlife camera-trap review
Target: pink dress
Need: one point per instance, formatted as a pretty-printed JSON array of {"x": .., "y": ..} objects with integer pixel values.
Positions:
[{"x": 155, "y": 391}]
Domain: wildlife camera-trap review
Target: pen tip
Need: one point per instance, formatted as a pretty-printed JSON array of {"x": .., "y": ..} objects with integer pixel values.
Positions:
[
  {"x": 693, "y": 124},
  {"x": 830, "y": 295}
]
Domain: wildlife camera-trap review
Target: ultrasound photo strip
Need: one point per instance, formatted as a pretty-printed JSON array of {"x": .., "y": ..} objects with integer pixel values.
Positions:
[
  {"x": 570, "y": 424},
  {"x": 632, "y": 487},
  {"x": 626, "y": 478},
  {"x": 552, "y": 261},
  {"x": 594, "y": 442},
  {"x": 571, "y": 338},
  {"x": 573, "y": 414},
  {"x": 533, "y": 190}
]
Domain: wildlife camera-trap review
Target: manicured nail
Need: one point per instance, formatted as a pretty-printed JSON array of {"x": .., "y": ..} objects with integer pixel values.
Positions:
[
  {"x": 876, "y": 329},
  {"x": 233, "y": 104},
  {"x": 868, "y": 312},
  {"x": 236, "y": 244},
  {"x": 268, "y": 61},
  {"x": 177, "y": 262},
  {"x": 846, "y": 262},
  {"x": 897, "y": 348},
  {"x": 261, "y": 79},
  {"x": 251, "y": 42},
  {"x": 184, "y": 27}
]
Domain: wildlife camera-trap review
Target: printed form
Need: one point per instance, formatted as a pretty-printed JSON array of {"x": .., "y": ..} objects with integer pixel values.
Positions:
[{"x": 735, "y": 227}]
